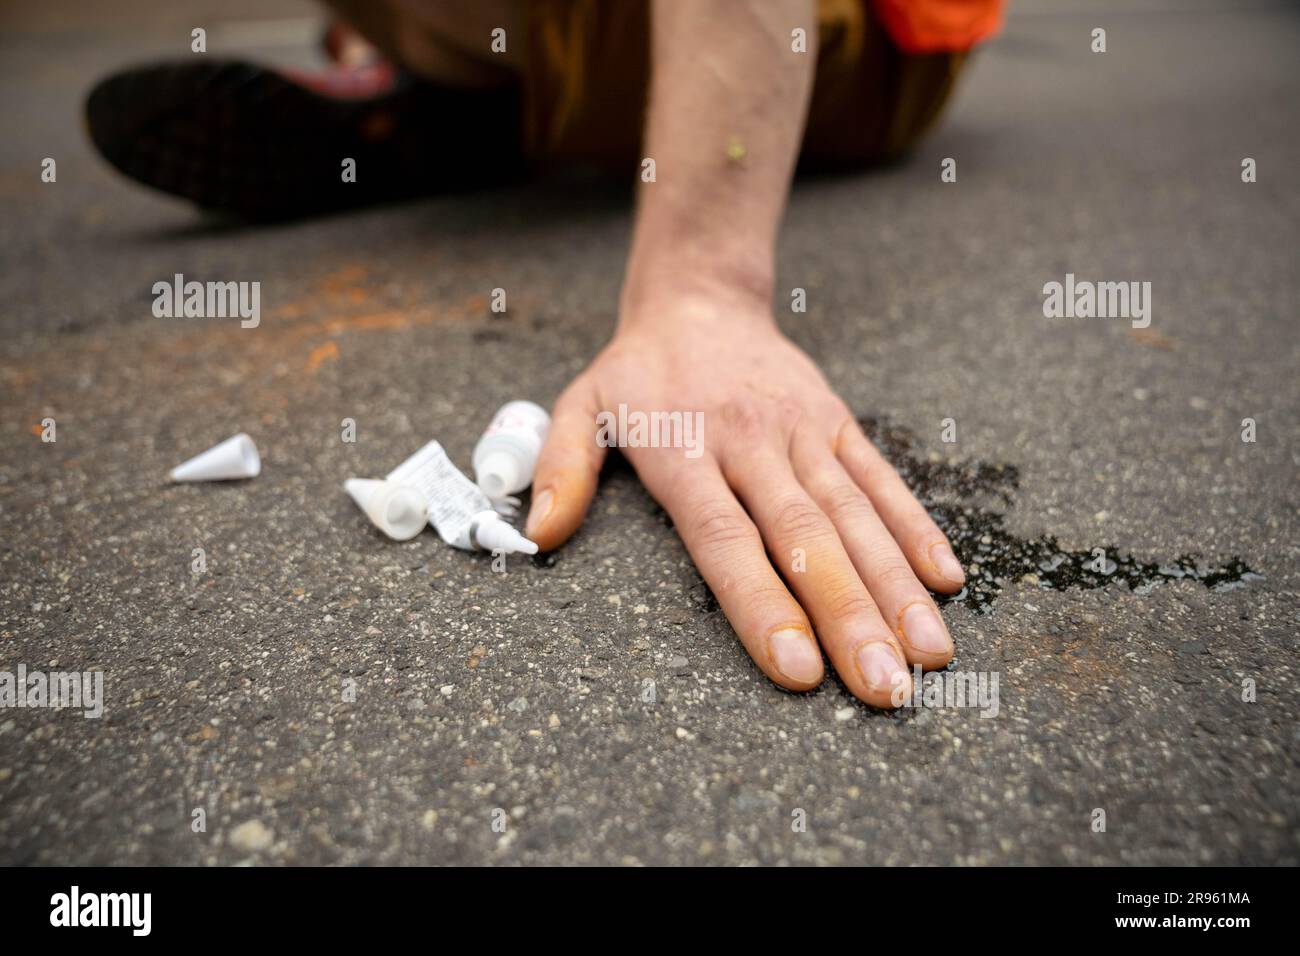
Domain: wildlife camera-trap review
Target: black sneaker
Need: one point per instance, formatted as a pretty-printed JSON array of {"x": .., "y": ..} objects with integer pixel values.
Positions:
[{"x": 269, "y": 144}]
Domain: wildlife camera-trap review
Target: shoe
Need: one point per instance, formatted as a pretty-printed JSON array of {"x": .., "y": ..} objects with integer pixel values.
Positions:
[{"x": 271, "y": 144}]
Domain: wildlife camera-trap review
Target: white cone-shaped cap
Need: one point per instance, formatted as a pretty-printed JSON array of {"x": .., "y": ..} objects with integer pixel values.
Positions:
[
  {"x": 499, "y": 536},
  {"x": 499, "y": 475},
  {"x": 399, "y": 511},
  {"x": 234, "y": 458}
]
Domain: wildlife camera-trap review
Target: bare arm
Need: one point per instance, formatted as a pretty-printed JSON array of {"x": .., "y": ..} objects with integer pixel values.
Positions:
[
  {"x": 807, "y": 537},
  {"x": 727, "y": 104}
]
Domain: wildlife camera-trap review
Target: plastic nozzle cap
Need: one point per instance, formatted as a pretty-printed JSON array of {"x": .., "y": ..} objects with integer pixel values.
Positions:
[
  {"x": 499, "y": 475},
  {"x": 499, "y": 536},
  {"x": 399, "y": 511},
  {"x": 405, "y": 513},
  {"x": 236, "y": 457}
]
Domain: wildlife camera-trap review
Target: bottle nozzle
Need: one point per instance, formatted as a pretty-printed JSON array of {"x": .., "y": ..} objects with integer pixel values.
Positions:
[
  {"x": 495, "y": 535},
  {"x": 498, "y": 475}
]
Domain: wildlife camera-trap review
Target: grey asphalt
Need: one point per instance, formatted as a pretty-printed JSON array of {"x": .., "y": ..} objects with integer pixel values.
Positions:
[{"x": 524, "y": 692}]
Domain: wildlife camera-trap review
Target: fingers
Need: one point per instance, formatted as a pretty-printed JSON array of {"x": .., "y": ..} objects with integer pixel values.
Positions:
[
  {"x": 728, "y": 552},
  {"x": 567, "y": 469},
  {"x": 925, "y": 546},
  {"x": 863, "y": 648},
  {"x": 904, "y": 602}
]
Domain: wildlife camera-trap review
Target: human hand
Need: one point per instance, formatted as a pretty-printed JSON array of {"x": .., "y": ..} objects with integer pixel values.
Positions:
[{"x": 784, "y": 472}]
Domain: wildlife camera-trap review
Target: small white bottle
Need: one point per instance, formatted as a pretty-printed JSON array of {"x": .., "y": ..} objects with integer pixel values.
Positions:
[{"x": 506, "y": 456}]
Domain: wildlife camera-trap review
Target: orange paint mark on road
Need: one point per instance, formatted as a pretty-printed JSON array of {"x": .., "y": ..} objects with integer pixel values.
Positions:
[
  {"x": 374, "y": 322},
  {"x": 19, "y": 378},
  {"x": 344, "y": 276},
  {"x": 292, "y": 309},
  {"x": 338, "y": 289},
  {"x": 1153, "y": 339},
  {"x": 322, "y": 353}
]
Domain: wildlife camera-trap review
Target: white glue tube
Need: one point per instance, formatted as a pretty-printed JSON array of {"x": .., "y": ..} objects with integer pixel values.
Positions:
[
  {"x": 506, "y": 456},
  {"x": 458, "y": 510}
]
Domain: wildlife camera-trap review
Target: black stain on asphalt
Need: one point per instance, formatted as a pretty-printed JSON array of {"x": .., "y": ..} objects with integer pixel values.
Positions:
[
  {"x": 968, "y": 500},
  {"x": 994, "y": 558}
]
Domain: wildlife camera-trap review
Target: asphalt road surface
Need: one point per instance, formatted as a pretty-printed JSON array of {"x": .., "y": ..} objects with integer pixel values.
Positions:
[{"x": 324, "y": 695}]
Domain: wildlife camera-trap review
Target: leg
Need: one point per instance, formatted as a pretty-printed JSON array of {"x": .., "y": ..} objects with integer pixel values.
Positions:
[
  {"x": 269, "y": 143},
  {"x": 871, "y": 101},
  {"x": 447, "y": 42}
]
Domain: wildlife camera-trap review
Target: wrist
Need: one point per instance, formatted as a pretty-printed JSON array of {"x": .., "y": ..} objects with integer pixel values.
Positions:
[
  {"x": 686, "y": 304},
  {"x": 668, "y": 289}
]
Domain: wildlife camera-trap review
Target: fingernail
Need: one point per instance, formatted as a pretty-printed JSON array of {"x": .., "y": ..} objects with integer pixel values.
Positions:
[
  {"x": 539, "y": 512},
  {"x": 795, "y": 656},
  {"x": 880, "y": 666},
  {"x": 946, "y": 563},
  {"x": 923, "y": 629}
]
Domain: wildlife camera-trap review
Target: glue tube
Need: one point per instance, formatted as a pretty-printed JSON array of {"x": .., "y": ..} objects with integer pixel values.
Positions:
[
  {"x": 458, "y": 510},
  {"x": 506, "y": 456}
]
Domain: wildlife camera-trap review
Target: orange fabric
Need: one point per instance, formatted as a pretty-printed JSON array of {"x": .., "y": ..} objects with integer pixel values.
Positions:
[
  {"x": 585, "y": 73},
  {"x": 939, "y": 26},
  {"x": 586, "y": 67}
]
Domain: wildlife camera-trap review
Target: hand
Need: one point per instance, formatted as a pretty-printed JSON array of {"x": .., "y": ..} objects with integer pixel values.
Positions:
[{"x": 784, "y": 467}]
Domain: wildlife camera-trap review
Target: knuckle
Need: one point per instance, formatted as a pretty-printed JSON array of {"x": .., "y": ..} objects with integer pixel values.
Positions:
[
  {"x": 848, "y": 602},
  {"x": 798, "y": 519},
  {"x": 894, "y": 574},
  {"x": 768, "y": 599},
  {"x": 845, "y": 500},
  {"x": 568, "y": 461},
  {"x": 789, "y": 413},
  {"x": 876, "y": 472},
  {"x": 872, "y": 466},
  {"x": 576, "y": 398},
  {"x": 718, "y": 526},
  {"x": 846, "y": 433},
  {"x": 743, "y": 417}
]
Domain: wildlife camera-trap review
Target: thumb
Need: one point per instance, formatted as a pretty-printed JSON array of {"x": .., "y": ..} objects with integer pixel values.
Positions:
[{"x": 567, "y": 468}]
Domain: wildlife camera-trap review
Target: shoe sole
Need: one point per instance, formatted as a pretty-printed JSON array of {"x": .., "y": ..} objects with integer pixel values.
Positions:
[{"x": 234, "y": 136}]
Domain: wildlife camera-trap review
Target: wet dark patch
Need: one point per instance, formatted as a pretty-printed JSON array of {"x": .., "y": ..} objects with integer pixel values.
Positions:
[{"x": 961, "y": 497}]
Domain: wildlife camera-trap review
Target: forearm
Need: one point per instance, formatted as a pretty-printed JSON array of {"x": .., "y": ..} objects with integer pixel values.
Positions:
[{"x": 728, "y": 99}]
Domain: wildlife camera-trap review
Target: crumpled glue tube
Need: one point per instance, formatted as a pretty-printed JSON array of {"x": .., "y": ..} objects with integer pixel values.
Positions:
[{"x": 458, "y": 509}]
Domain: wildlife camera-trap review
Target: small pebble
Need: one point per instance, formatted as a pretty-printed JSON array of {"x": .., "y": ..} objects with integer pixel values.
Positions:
[{"x": 251, "y": 836}]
